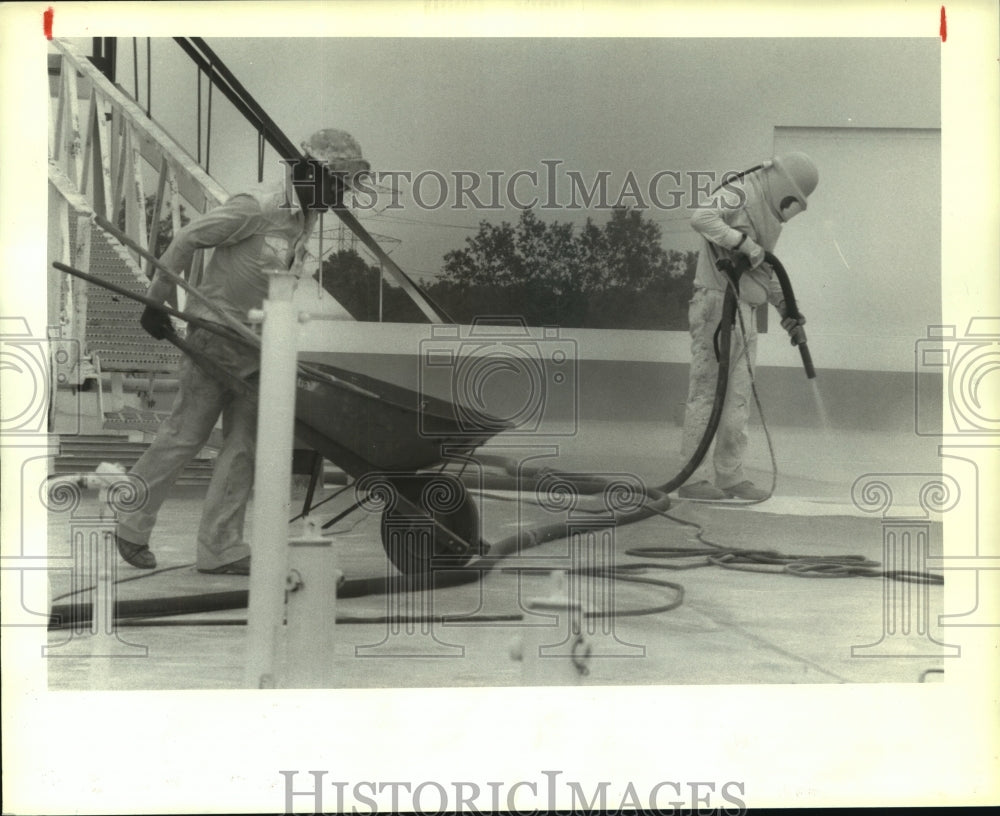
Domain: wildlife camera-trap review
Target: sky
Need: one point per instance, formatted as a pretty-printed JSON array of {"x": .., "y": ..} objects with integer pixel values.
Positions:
[{"x": 595, "y": 105}]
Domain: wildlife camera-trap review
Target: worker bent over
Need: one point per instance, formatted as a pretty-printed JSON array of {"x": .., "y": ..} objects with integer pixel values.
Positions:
[
  {"x": 250, "y": 234},
  {"x": 746, "y": 219}
]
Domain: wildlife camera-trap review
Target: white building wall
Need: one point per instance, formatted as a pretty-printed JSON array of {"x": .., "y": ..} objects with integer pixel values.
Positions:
[{"x": 865, "y": 258}]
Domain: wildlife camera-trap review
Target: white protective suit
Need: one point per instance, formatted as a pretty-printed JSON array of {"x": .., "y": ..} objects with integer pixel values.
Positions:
[{"x": 742, "y": 208}]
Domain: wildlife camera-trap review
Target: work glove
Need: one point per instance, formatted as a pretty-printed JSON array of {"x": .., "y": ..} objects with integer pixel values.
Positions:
[
  {"x": 794, "y": 328},
  {"x": 156, "y": 322},
  {"x": 753, "y": 251}
]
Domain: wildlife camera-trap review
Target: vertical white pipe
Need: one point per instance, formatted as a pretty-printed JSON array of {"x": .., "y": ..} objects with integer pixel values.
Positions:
[
  {"x": 272, "y": 480},
  {"x": 312, "y": 613}
]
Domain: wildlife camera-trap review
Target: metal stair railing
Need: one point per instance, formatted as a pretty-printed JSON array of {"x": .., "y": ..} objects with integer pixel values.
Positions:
[
  {"x": 221, "y": 77},
  {"x": 101, "y": 143}
]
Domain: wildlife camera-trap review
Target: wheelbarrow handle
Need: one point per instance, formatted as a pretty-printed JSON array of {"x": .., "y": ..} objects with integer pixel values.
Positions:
[
  {"x": 191, "y": 320},
  {"x": 210, "y": 367},
  {"x": 250, "y": 341},
  {"x": 174, "y": 278}
]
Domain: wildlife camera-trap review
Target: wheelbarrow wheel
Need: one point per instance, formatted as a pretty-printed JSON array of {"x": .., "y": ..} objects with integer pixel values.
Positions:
[{"x": 433, "y": 524}]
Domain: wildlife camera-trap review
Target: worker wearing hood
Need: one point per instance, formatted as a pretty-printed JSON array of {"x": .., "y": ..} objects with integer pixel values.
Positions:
[{"x": 746, "y": 219}]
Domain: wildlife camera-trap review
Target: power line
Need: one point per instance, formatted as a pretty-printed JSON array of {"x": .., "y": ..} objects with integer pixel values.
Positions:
[{"x": 419, "y": 222}]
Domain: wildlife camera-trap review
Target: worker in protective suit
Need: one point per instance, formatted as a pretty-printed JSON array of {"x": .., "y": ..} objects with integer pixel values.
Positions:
[
  {"x": 250, "y": 234},
  {"x": 745, "y": 218}
]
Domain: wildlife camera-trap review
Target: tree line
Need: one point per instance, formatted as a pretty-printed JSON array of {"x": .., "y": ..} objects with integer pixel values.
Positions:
[
  {"x": 549, "y": 273},
  {"x": 611, "y": 276}
]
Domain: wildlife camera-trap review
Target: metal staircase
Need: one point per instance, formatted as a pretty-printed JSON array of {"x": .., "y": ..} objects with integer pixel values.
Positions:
[
  {"x": 102, "y": 148},
  {"x": 105, "y": 152},
  {"x": 112, "y": 330}
]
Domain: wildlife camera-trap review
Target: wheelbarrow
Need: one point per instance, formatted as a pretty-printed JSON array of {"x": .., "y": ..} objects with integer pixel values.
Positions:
[
  {"x": 388, "y": 438},
  {"x": 383, "y": 436}
]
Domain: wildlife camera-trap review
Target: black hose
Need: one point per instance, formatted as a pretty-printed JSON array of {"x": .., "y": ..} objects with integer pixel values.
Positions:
[
  {"x": 78, "y": 615},
  {"x": 723, "y": 350},
  {"x": 658, "y": 495},
  {"x": 791, "y": 310},
  {"x": 656, "y": 503}
]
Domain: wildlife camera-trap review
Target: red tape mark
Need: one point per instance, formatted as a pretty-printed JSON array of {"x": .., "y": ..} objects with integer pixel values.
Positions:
[
  {"x": 944, "y": 26},
  {"x": 47, "y": 22}
]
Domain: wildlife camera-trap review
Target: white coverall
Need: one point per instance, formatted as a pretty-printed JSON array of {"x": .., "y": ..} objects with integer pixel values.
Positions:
[
  {"x": 722, "y": 226},
  {"x": 250, "y": 233}
]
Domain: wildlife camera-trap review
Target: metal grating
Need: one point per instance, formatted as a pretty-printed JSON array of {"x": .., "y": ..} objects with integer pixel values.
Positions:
[{"x": 113, "y": 330}]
